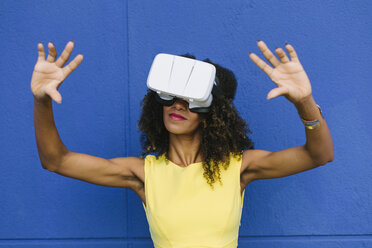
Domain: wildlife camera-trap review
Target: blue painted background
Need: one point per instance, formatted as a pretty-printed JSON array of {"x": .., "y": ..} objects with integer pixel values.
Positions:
[{"x": 330, "y": 206}]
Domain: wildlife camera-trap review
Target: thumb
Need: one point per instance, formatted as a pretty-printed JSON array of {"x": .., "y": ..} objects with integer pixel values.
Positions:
[
  {"x": 55, "y": 95},
  {"x": 276, "y": 92}
]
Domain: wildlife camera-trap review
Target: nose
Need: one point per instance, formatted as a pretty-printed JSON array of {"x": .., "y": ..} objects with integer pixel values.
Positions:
[{"x": 180, "y": 103}]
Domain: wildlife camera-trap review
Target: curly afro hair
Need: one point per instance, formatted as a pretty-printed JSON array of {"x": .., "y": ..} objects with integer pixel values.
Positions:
[{"x": 224, "y": 132}]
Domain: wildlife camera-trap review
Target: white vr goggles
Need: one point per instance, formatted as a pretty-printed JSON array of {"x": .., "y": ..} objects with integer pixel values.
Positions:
[{"x": 192, "y": 80}]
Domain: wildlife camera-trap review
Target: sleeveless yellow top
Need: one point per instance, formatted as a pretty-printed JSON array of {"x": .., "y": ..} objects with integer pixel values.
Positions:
[{"x": 183, "y": 211}]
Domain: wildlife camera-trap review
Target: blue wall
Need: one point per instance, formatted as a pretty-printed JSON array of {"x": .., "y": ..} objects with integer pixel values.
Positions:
[{"x": 326, "y": 207}]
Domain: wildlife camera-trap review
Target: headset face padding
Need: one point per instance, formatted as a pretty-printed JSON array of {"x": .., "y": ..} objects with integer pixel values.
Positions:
[
  {"x": 165, "y": 102},
  {"x": 170, "y": 102}
]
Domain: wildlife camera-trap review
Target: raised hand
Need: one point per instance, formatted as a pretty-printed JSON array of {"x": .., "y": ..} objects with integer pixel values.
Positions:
[
  {"x": 49, "y": 74},
  {"x": 288, "y": 75}
]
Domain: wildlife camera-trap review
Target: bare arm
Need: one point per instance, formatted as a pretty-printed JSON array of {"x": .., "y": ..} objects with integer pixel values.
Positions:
[
  {"x": 317, "y": 151},
  {"x": 54, "y": 156},
  {"x": 49, "y": 145},
  {"x": 319, "y": 142}
]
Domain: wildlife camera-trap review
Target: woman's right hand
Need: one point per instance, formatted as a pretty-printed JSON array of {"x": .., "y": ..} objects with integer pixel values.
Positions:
[{"x": 48, "y": 74}]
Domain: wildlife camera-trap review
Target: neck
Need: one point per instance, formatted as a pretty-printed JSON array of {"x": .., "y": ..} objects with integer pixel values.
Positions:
[{"x": 185, "y": 149}]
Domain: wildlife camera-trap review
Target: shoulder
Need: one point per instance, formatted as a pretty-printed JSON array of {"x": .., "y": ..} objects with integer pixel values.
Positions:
[
  {"x": 130, "y": 164},
  {"x": 131, "y": 171},
  {"x": 137, "y": 165},
  {"x": 152, "y": 159},
  {"x": 249, "y": 170},
  {"x": 249, "y": 156},
  {"x": 134, "y": 164}
]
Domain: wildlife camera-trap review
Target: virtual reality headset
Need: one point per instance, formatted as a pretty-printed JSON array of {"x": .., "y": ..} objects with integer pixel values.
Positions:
[{"x": 192, "y": 80}]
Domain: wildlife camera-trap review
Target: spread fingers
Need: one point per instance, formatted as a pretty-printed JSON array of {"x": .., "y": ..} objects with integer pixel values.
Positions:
[
  {"x": 65, "y": 54},
  {"x": 72, "y": 65},
  {"x": 292, "y": 52},
  {"x": 41, "y": 52},
  {"x": 261, "y": 64},
  {"x": 52, "y": 52},
  {"x": 283, "y": 57},
  {"x": 267, "y": 53}
]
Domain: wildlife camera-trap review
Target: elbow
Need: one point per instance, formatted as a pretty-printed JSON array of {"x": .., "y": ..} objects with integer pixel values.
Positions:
[
  {"x": 331, "y": 156},
  {"x": 324, "y": 160},
  {"x": 322, "y": 156},
  {"x": 52, "y": 163},
  {"x": 43, "y": 165},
  {"x": 52, "y": 158},
  {"x": 52, "y": 169},
  {"x": 48, "y": 167}
]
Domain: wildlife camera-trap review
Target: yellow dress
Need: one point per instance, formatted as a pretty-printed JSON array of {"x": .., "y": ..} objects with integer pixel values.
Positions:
[{"x": 184, "y": 211}]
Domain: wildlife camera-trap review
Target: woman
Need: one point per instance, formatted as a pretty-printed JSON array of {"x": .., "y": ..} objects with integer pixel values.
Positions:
[{"x": 202, "y": 163}]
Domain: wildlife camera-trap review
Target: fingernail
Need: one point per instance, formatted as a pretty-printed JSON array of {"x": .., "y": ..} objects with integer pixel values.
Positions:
[
  {"x": 73, "y": 41},
  {"x": 250, "y": 53},
  {"x": 258, "y": 41}
]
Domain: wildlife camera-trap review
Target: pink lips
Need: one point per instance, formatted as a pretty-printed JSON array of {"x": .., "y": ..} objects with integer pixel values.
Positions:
[{"x": 176, "y": 117}]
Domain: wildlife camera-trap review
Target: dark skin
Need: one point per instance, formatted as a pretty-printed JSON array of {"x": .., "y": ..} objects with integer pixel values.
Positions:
[{"x": 184, "y": 149}]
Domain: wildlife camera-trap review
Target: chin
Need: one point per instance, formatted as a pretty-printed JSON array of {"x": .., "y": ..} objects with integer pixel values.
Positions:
[
  {"x": 180, "y": 129},
  {"x": 175, "y": 129}
]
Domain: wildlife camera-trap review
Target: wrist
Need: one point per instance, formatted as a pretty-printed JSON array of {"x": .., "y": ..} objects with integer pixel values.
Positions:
[
  {"x": 308, "y": 110},
  {"x": 43, "y": 102},
  {"x": 306, "y": 101},
  {"x": 42, "y": 99}
]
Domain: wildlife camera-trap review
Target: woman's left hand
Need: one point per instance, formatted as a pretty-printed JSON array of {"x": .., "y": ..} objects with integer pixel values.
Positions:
[{"x": 288, "y": 75}]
